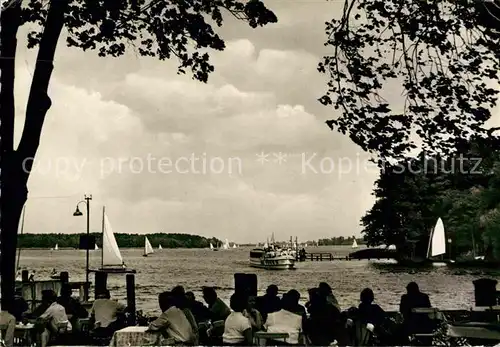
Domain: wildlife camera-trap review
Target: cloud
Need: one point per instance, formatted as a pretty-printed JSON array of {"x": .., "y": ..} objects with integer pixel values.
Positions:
[{"x": 129, "y": 134}]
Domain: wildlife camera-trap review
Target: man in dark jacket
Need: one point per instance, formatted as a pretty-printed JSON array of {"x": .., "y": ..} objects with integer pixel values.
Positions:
[
  {"x": 413, "y": 298},
  {"x": 269, "y": 302}
]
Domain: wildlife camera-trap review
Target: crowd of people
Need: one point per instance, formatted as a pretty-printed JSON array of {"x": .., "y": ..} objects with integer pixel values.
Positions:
[
  {"x": 186, "y": 321},
  {"x": 321, "y": 322}
]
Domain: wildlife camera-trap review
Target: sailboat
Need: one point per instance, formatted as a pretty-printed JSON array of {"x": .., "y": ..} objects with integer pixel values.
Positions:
[
  {"x": 96, "y": 247},
  {"x": 234, "y": 245},
  {"x": 354, "y": 243},
  {"x": 111, "y": 258},
  {"x": 159, "y": 247},
  {"x": 226, "y": 244},
  {"x": 56, "y": 247},
  {"x": 437, "y": 241},
  {"x": 148, "y": 249}
]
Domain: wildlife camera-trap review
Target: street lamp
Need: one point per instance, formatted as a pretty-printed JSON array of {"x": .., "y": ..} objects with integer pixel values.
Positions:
[{"x": 77, "y": 213}]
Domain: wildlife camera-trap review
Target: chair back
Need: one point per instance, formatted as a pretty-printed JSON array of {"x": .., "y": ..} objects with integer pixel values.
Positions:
[
  {"x": 362, "y": 335},
  {"x": 3, "y": 329},
  {"x": 62, "y": 327},
  {"x": 217, "y": 329},
  {"x": 431, "y": 312}
]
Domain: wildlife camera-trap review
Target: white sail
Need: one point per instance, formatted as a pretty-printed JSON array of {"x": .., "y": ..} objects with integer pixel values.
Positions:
[
  {"x": 148, "y": 249},
  {"x": 111, "y": 255},
  {"x": 159, "y": 247},
  {"x": 226, "y": 244},
  {"x": 437, "y": 240},
  {"x": 234, "y": 245},
  {"x": 354, "y": 244},
  {"x": 96, "y": 247},
  {"x": 211, "y": 246}
]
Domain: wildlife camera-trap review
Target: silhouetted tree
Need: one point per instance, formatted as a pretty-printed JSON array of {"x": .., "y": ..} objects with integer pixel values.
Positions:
[{"x": 158, "y": 28}]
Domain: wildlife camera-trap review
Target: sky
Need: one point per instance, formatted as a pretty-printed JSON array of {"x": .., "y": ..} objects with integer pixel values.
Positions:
[{"x": 241, "y": 157}]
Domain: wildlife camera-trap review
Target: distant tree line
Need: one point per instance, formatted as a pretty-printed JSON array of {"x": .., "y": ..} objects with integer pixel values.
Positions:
[
  {"x": 337, "y": 241},
  {"x": 123, "y": 240}
]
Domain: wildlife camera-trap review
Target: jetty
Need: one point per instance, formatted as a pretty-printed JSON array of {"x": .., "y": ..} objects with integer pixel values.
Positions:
[{"x": 324, "y": 256}]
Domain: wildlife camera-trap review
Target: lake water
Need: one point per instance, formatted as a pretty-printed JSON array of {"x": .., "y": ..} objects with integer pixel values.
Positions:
[{"x": 194, "y": 268}]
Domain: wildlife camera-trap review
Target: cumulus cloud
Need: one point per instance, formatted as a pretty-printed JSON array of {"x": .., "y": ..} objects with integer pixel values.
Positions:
[{"x": 166, "y": 153}]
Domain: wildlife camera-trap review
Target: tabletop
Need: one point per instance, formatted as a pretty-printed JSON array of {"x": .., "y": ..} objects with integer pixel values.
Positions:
[{"x": 135, "y": 336}]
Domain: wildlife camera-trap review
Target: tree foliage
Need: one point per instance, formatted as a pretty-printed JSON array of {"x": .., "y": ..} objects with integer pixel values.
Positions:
[
  {"x": 123, "y": 240},
  {"x": 442, "y": 56},
  {"x": 463, "y": 190}
]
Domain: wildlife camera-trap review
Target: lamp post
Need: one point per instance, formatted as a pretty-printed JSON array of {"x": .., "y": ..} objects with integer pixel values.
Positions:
[{"x": 77, "y": 213}]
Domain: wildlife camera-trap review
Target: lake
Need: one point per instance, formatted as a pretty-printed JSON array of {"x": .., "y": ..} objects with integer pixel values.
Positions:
[{"x": 194, "y": 268}]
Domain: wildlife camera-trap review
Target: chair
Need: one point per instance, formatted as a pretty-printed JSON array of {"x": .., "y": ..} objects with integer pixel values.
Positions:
[
  {"x": 261, "y": 337},
  {"x": 216, "y": 331},
  {"x": 426, "y": 324}
]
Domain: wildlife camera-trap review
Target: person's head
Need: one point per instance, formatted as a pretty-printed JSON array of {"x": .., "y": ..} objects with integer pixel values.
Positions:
[
  {"x": 367, "y": 296},
  {"x": 238, "y": 302},
  {"x": 272, "y": 290},
  {"x": 294, "y": 296},
  {"x": 49, "y": 296},
  {"x": 209, "y": 295},
  {"x": 190, "y": 296},
  {"x": 179, "y": 296},
  {"x": 288, "y": 303},
  {"x": 179, "y": 291},
  {"x": 6, "y": 306},
  {"x": 325, "y": 289},
  {"x": 251, "y": 302},
  {"x": 165, "y": 300},
  {"x": 104, "y": 294},
  {"x": 66, "y": 291},
  {"x": 313, "y": 293},
  {"x": 412, "y": 288}
]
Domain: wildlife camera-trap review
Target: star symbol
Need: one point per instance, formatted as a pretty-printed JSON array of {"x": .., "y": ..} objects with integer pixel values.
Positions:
[
  {"x": 280, "y": 158},
  {"x": 262, "y": 157}
]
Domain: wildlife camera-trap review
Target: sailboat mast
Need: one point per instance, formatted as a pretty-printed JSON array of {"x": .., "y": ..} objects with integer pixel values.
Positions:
[{"x": 102, "y": 253}]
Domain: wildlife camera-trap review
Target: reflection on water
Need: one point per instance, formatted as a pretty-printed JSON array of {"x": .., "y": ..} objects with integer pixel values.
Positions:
[{"x": 449, "y": 288}]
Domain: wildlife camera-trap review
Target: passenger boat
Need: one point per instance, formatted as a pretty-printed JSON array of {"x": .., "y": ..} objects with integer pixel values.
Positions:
[{"x": 271, "y": 258}]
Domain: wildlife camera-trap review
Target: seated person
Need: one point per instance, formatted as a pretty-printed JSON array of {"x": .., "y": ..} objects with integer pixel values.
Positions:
[
  {"x": 326, "y": 290},
  {"x": 218, "y": 309},
  {"x": 44, "y": 305},
  {"x": 107, "y": 314},
  {"x": 237, "y": 327},
  {"x": 253, "y": 314},
  {"x": 285, "y": 320},
  {"x": 181, "y": 302},
  {"x": 294, "y": 296},
  {"x": 19, "y": 306},
  {"x": 173, "y": 322},
  {"x": 200, "y": 311},
  {"x": 414, "y": 298},
  {"x": 368, "y": 312},
  {"x": 8, "y": 321},
  {"x": 73, "y": 308},
  {"x": 324, "y": 320},
  {"x": 269, "y": 302},
  {"x": 53, "y": 321}
]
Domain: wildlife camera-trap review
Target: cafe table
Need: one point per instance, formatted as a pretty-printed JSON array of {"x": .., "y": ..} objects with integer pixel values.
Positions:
[
  {"x": 136, "y": 336},
  {"x": 23, "y": 334}
]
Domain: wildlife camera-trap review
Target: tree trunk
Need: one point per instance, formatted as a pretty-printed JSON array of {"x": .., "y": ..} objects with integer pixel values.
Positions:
[
  {"x": 14, "y": 194},
  {"x": 17, "y": 165}
]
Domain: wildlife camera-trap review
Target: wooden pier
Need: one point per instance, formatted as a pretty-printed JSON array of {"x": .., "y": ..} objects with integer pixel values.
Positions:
[{"x": 322, "y": 256}]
